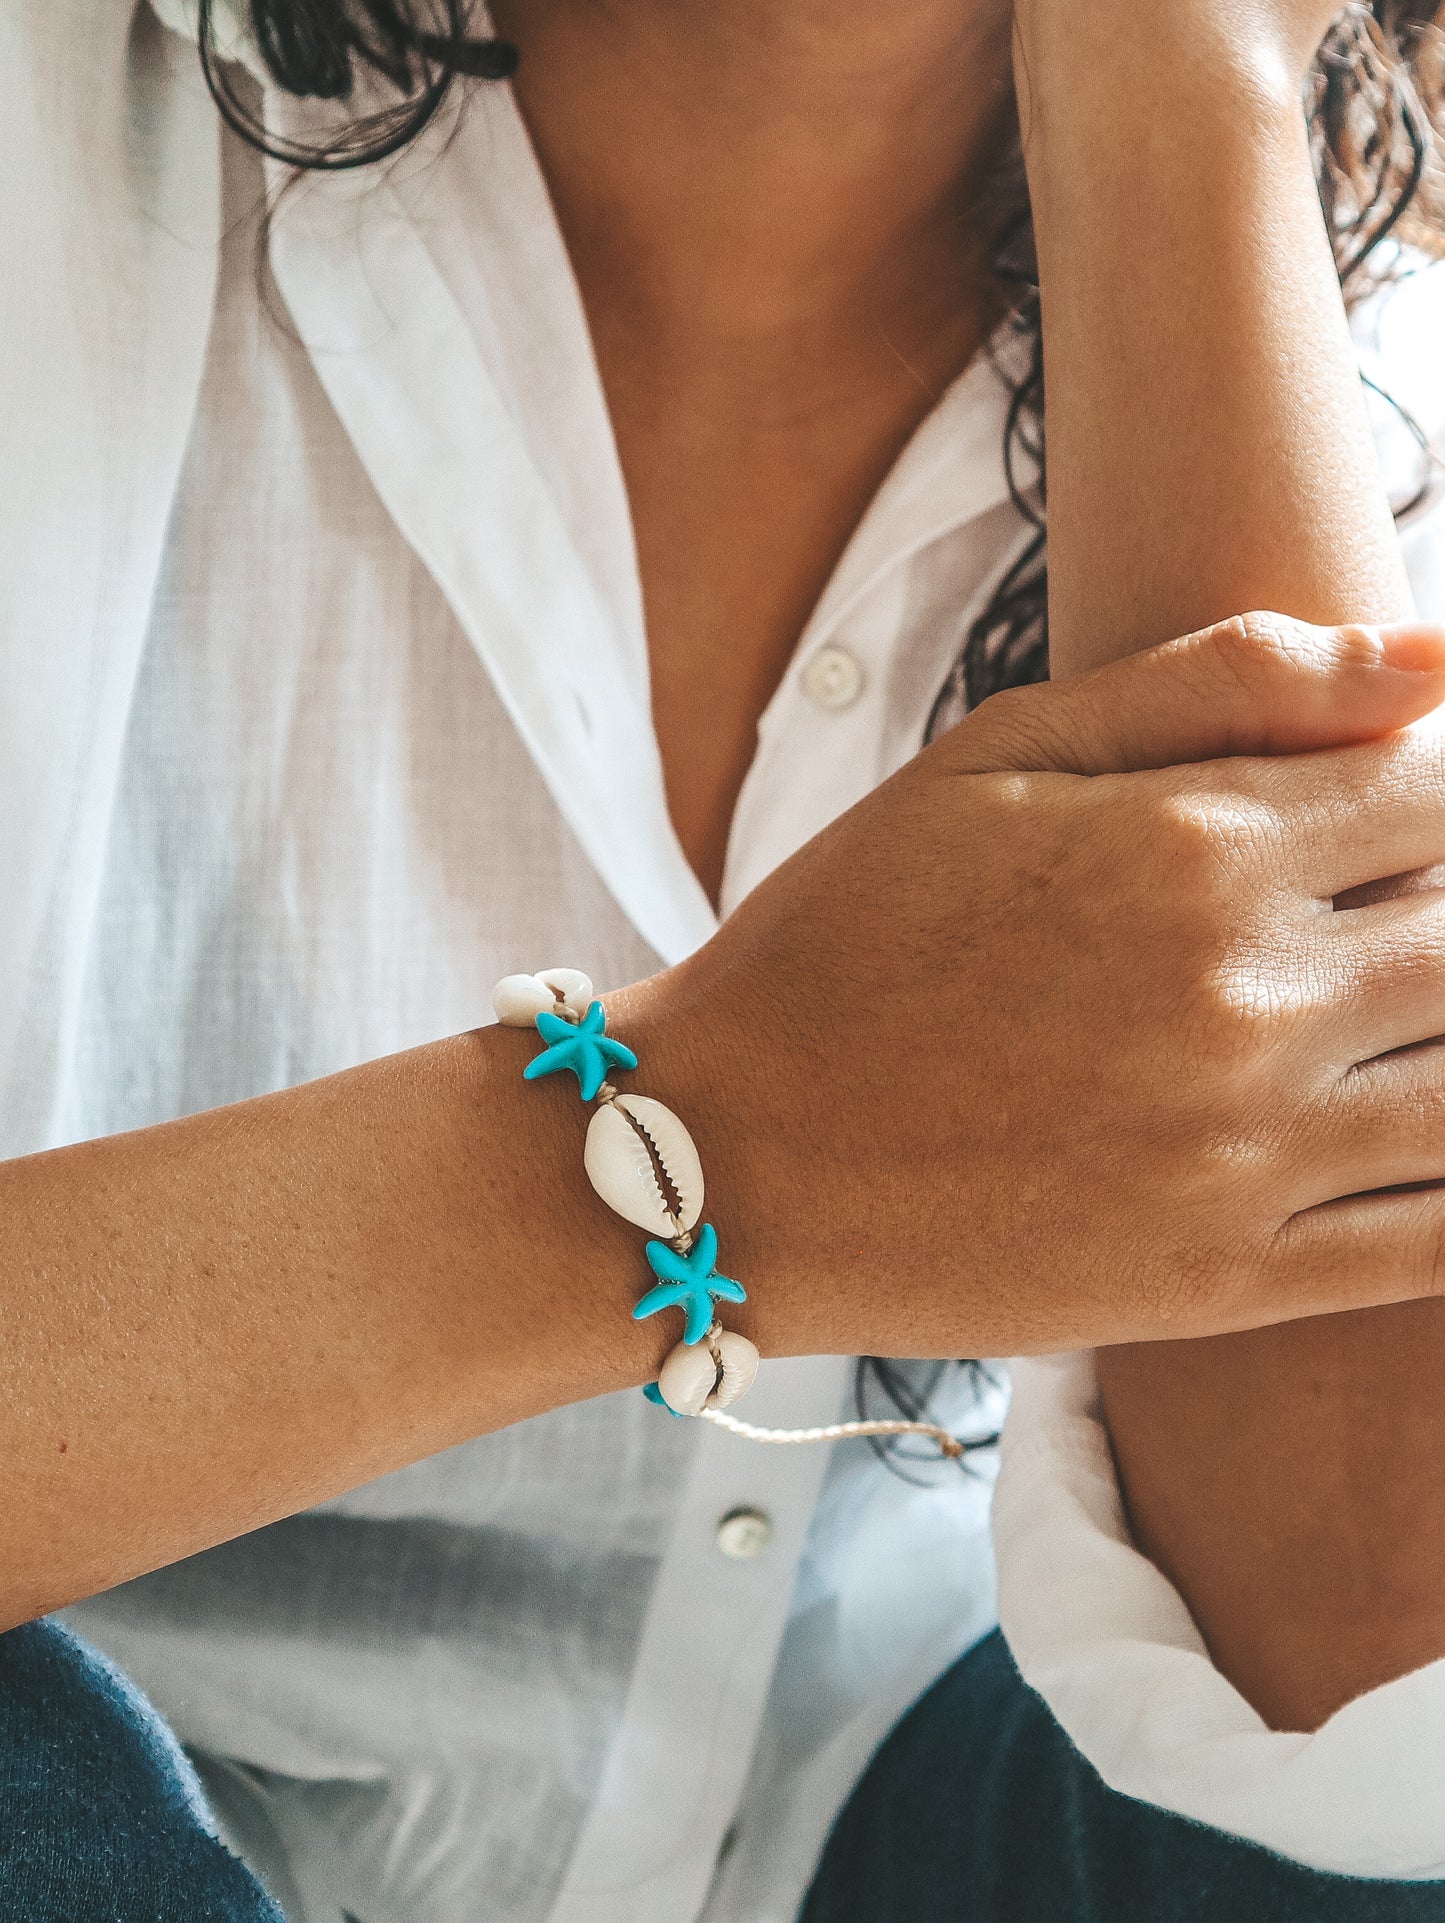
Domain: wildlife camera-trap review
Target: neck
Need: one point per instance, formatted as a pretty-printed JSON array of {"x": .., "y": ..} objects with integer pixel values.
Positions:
[
  {"x": 774, "y": 210},
  {"x": 770, "y": 169}
]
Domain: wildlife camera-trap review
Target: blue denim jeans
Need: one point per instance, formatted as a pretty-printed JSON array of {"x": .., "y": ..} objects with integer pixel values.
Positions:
[
  {"x": 976, "y": 1810},
  {"x": 102, "y": 1819}
]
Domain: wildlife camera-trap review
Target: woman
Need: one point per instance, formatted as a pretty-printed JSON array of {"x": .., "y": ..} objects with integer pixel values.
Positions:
[{"x": 689, "y": 318}]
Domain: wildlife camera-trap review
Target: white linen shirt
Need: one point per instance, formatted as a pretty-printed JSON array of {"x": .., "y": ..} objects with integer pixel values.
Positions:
[{"x": 324, "y": 702}]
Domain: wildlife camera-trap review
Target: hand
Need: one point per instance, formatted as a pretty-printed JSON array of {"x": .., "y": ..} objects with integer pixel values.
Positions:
[{"x": 1050, "y": 1042}]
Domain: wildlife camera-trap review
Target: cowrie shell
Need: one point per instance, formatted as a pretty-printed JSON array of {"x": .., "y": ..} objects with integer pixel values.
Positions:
[
  {"x": 626, "y": 1140},
  {"x": 687, "y": 1378},
  {"x": 520, "y": 999},
  {"x": 737, "y": 1369},
  {"x": 709, "y": 1375},
  {"x": 571, "y": 984}
]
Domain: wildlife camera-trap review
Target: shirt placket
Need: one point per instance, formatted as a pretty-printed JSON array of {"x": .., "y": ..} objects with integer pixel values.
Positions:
[
  {"x": 676, "y": 1769},
  {"x": 820, "y": 743}
]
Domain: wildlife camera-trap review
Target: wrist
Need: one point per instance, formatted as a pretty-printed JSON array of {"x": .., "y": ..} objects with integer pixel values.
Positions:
[
  {"x": 1190, "y": 169},
  {"x": 701, "y": 1056},
  {"x": 1095, "y": 86},
  {"x": 643, "y": 1161},
  {"x": 554, "y": 1273}
]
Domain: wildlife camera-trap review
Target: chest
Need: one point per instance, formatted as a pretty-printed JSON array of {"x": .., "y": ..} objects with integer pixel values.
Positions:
[
  {"x": 332, "y": 833},
  {"x": 746, "y": 480},
  {"x": 376, "y": 756}
]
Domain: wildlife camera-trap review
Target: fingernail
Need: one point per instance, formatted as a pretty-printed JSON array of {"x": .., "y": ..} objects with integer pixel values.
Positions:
[{"x": 1414, "y": 647}]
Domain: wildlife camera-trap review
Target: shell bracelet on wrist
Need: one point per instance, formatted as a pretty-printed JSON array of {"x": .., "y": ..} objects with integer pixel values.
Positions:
[{"x": 644, "y": 1164}]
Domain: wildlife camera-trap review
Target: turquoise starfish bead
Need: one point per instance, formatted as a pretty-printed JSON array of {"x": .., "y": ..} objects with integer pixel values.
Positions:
[
  {"x": 690, "y": 1283},
  {"x": 583, "y": 1046}
]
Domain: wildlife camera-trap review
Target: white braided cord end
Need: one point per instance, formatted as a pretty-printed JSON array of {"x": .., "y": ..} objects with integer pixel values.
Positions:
[{"x": 948, "y": 1445}]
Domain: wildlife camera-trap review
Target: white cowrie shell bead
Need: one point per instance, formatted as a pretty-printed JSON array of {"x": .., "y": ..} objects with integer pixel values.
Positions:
[
  {"x": 710, "y": 1375},
  {"x": 620, "y": 1165},
  {"x": 738, "y": 1367},
  {"x": 520, "y": 999},
  {"x": 620, "y": 1169},
  {"x": 571, "y": 984},
  {"x": 687, "y": 1378}
]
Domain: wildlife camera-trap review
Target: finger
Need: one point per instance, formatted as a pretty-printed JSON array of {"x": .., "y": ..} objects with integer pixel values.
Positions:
[
  {"x": 1384, "y": 1126},
  {"x": 1359, "y": 815},
  {"x": 1258, "y": 685},
  {"x": 1359, "y": 1253},
  {"x": 1385, "y": 967}
]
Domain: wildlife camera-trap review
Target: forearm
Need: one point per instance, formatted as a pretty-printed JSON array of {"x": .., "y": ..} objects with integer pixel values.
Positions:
[
  {"x": 1209, "y": 449},
  {"x": 1208, "y": 452},
  {"x": 215, "y": 1323}
]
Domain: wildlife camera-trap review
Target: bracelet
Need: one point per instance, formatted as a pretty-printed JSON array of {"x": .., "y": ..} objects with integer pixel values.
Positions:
[{"x": 644, "y": 1164}]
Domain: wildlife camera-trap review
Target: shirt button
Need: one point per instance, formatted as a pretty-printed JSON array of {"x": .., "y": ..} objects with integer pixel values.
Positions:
[
  {"x": 744, "y": 1533},
  {"x": 833, "y": 679}
]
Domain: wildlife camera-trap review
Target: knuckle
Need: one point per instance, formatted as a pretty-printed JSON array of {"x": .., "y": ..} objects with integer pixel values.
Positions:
[
  {"x": 1239, "y": 1004},
  {"x": 1021, "y": 726},
  {"x": 1235, "y": 980},
  {"x": 1251, "y": 648},
  {"x": 1254, "y": 646},
  {"x": 1008, "y": 712},
  {"x": 1355, "y": 646},
  {"x": 1224, "y": 835},
  {"x": 997, "y": 727}
]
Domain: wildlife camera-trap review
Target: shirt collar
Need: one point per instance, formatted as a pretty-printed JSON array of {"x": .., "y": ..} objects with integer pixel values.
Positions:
[
  {"x": 951, "y": 472},
  {"x": 440, "y": 310}
]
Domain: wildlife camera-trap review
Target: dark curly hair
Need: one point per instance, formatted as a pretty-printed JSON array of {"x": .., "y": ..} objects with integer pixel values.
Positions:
[{"x": 1376, "y": 108}]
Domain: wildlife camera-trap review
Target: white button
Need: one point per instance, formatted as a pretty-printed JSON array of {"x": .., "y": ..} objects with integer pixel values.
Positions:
[
  {"x": 744, "y": 1533},
  {"x": 833, "y": 679}
]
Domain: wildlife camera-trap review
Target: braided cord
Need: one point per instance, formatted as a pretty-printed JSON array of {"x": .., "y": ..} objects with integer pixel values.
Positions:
[{"x": 948, "y": 1445}]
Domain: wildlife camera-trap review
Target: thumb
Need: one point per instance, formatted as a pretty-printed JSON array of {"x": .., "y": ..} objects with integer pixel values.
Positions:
[{"x": 1257, "y": 685}]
